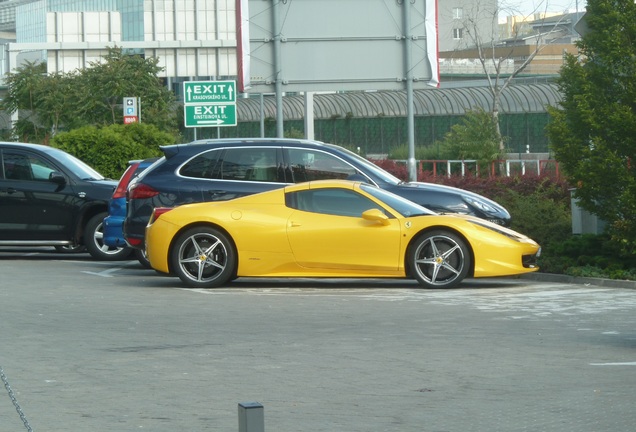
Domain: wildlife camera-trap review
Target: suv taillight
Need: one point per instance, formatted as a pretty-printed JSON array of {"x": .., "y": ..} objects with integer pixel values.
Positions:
[
  {"x": 141, "y": 191},
  {"x": 120, "y": 192}
]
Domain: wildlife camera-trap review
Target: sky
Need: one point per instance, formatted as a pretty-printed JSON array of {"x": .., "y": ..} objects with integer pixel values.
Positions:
[{"x": 527, "y": 7}]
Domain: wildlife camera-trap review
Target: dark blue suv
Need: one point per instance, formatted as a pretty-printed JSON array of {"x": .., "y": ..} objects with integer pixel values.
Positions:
[{"x": 218, "y": 170}]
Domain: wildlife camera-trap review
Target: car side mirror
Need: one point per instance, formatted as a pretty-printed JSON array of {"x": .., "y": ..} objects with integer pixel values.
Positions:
[
  {"x": 57, "y": 178},
  {"x": 375, "y": 215}
]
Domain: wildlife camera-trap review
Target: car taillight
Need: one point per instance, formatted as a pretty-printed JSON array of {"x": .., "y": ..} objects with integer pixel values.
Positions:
[
  {"x": 120, "y": 192},
  {"x": 141, "y": 191},
  {"x": 158, "y": 211},
  {"x": 135, "y": 242}
]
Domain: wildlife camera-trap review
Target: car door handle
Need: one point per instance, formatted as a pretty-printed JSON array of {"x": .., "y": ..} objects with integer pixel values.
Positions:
[
  {"x": 11, "y": 191},
  {"x": 293, "y": 224}
]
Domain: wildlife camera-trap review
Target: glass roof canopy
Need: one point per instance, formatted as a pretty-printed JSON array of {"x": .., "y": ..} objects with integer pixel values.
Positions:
[{"x": 524, "y": 98}]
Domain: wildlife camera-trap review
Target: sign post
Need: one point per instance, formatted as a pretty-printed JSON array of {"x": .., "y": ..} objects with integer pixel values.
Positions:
[
  {"x": 131, "y": 113},
  {"x": 209, "y": 103}
]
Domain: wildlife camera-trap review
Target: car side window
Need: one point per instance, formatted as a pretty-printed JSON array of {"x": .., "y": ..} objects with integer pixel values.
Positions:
[
  {"x": 19, "y": 166},
  {"x": 308, "y": 165},
  {"x": 201, "y": 166},
  {"x": 337, "y": 202},
  {"x": 250, "y": 164}
]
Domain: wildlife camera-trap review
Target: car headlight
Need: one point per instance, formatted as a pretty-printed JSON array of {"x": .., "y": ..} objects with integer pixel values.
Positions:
[{"x": 480, "y": 204}]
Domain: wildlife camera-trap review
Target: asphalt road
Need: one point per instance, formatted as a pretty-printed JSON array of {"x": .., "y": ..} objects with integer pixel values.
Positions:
[{"x": 94, "y": 346}]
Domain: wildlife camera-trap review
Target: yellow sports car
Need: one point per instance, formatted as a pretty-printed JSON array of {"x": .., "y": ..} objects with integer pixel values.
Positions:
[{"x": 331, "y": 228}]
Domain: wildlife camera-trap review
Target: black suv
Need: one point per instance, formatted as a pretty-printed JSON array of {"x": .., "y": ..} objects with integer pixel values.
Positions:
[
  {"x": 217, "y": 170},
  {"x": 50, "y": 198}
]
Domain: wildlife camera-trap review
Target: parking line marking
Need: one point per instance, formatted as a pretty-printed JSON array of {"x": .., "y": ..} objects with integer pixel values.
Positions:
[
  {"x": 614, "y": 364},
  {"x": 107, "y": 272}
]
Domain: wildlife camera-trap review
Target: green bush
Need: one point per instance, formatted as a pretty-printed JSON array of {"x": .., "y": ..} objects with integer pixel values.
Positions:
[
  {"x": 108, "y": 149},
  {"x": 589, "y": 255},
  {"x": 540, "y": 207}
]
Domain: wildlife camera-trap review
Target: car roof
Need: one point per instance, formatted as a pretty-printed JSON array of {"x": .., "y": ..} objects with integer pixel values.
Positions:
[
  {"x": 199, "y": 145},
  {"x": 32, "y": 146}
]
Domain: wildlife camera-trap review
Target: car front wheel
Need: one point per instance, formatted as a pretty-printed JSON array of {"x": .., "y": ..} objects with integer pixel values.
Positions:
[
  {"x": 94, "y": 241},
  {"x": 70, "y": 249},
  {"x": 439, "y": 259},
  {"x": 203, "y": 257}
]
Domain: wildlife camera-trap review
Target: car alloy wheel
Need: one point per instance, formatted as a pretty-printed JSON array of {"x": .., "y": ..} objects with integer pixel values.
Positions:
[
  {"x": 71, "y": 249},
  {"x": 94, "y": 240},
  {"x": 203, "y": 257},
  {"x": 439, "y": 259}
]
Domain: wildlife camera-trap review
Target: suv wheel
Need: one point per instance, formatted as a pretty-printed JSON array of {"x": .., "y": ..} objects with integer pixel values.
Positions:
[
  {"x": 94, "y": 240},
  {"x": 141, "y": 256},
  {"x": 71, "y": 249}
]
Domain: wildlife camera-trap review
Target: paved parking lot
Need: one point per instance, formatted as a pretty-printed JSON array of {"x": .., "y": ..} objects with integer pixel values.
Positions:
[{"x": 100, "y": 346}]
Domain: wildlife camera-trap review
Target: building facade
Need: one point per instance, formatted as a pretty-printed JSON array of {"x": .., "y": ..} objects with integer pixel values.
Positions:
[
  {"x": 193, "y": 39},
  {"x": 457, "y": 18}
]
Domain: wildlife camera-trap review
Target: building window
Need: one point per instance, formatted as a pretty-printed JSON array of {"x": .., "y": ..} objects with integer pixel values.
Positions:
[
  {"x": 458, "y": 13},
  {"x": 458, "y": 33}
]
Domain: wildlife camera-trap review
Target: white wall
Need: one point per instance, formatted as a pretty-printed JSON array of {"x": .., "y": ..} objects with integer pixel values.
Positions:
[
  {"x": 190, "y": 38},
  {"x": 76, "y": 28}
]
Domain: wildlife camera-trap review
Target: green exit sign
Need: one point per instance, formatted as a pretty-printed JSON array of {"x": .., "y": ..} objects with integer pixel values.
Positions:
[
  {"x": 206, "y": 115},
  {"x": 209, "y": 103},
  {"x": 197, "y": 92}
]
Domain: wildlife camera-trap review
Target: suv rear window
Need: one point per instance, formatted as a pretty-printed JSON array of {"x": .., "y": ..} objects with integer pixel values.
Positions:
[
  {"x": 240, "y": 163},
  {"x": 202, "y": 166}
]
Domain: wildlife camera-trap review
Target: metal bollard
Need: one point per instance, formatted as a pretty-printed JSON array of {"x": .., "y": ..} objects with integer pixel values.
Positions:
[{"x": 251, "y": 417}]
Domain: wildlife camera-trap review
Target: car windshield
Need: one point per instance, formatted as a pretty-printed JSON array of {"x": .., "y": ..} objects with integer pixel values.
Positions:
[
  {"x": 370, "y": 166},
  {"x": 77, "y": 167},
  {"x": 403, "y": 206}
]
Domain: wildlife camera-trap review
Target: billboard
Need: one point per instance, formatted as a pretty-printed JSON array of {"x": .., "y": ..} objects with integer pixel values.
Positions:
[{"x": 336, "y": 45}]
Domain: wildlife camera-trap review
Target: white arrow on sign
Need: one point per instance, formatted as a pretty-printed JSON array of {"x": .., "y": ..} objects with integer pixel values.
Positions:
[{"x": 217, "y": 121}]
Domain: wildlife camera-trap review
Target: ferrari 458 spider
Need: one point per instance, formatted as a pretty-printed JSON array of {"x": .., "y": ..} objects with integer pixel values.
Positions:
[{"x": 331, "y": 228}]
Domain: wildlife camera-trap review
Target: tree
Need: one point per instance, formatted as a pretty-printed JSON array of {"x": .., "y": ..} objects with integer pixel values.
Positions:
[
  {"x": 43, "y": 101},
  {"x": 50, "y": 103},
  {"x": 121, "y": 75},
  {"x": 476, "y": 137},
  {"x": 498, "y": 60},
  {"x": 593, "y": 132}
]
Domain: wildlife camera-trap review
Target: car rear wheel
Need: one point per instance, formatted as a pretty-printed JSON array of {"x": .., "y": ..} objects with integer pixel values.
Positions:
[
  {"x": 439, "y": 259},
  {"x": 94, "y": 241},
  {"x": 203, "y": 257}
]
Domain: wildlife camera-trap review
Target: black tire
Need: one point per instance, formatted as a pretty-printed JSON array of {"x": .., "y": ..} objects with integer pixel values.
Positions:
[
  {"x": 141, "y": 256},
  {"x": 203, "y": 257},
  {"x": 94, "y": 241},
  {"x": 439, "y": 259}
]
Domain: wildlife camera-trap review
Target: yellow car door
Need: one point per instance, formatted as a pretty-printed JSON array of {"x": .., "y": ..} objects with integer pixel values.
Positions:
[{"x": 331, "y": 233}]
